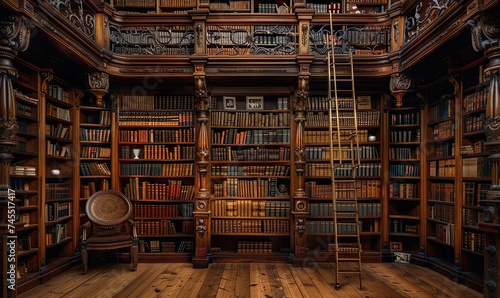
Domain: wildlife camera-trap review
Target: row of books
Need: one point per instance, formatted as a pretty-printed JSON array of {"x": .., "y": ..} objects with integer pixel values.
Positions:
[
  {"x": 57, "y": 210},
  {"x": 255, "y": 136},
  {"x": 399, "y": 136},
  {"x": 95, "y": 152},
  {"x": 404, "y": 153},
  {"x": 94, "y": 169},
  {"x": 165, "y": 118},
  {"x": 364, "y": 189},
  {"x": 397, "y": 225},
  {"x": 474, "y": 241},
  {"x": 250, "y": 226},
  {"x": 57, "y": 112},
  {"x": 326, "y": 209},
  {"x": 444, "y": 149},
  {"x": 157, "y": 246},
  {"x": 404, "y": 170},
  {"x": 475, "y": 147},
  {"x": 165, "y": 152},
  {"x": 403, "y": 190},
  {"x": 21, "y": 170},
  {"x": 250, "y": 154},
  {"x": 444, "y": 213},
  {"x": 261, "y": 187},
  {"x": 59, "y": 93},
  {"x": 323, "y": 136},
  {"x": 26, "y": 110},
  {"x": 343, "y": 170},
  {"x": 319, "y": 103},
  {"x": 442, "y": 168},
  {"x": 446, "y": 233},
  {"x": 250, "y": 171},
  {"x": 56, "y": 233},
  {"x": 344, "y": 153},
  {"x": 135, "y": 3},
  {"x": 474, "y": 167},
  {"x": 364, "y": 117},
  {"x": 58, "y": 130},
  {"x": 184, "y": 135},
  {"x": 327, "y": 227},
  {"x": 163, "y": 210},
  {"x": 161, "y": 227},
  {"x": 474, "y": 123},
  {"x": 138, "y": 189},
  {"x": 443, "y": 109},
  {"x": 259, "y": 247},
  {"x": 475, "y": 101},
  {"x": 56, "y": 149},
  {"x": 443, "y": 192},
  {"x": 93, "y": 186},
  {"x": 156, "y": 102},
  {"x": 95, "y": 134},
  {"x": 443, "y": 130},
  {"x": 251, "y": 119},
  {"x": 250, "y": 208},
  {"x": 241, "y": 103},
  {"x": 470, "y": 217},
  {"x": 54, "y": 191},
  {"x": 154, "y": 169},
  {"x": 404, "y": 118},
  {"x": 230, "y": 5},
  {"x": 102, "y": 118},
  {"x": 475, "y": 192}
]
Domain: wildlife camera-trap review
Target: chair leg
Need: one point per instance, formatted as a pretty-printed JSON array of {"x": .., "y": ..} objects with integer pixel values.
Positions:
[
  {"x": 134, "y": 256},
  {"x": 85, "y": 259}
]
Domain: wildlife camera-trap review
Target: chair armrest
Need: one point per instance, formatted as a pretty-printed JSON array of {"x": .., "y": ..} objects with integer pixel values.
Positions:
[
  {"x": 85, "y": 227},
  {"x": 132, "y": 224}
]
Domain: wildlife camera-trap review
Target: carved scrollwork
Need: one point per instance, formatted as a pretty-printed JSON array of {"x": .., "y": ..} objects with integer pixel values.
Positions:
[
  {"x": 15, "y": 32},
  {"x": 300, "y": 227},
  {"x": 73, "y": 11},
  {"x": 201, "y": 226},
  {"x": 400, "y": 81},
  {"x": 98, "y": 80},
  {"x": 485, "y": 31},
  {"x": 8, "y": 128}
]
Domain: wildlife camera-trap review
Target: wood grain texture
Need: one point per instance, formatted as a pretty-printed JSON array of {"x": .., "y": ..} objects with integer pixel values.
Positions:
[{"x": 248, "y": 280}]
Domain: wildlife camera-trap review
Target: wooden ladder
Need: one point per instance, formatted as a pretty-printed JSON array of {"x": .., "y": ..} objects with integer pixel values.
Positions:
[{"x": 344, "y": 160}]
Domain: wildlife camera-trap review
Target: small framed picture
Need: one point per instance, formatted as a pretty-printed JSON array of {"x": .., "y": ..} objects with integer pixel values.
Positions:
[
  {"x": 229, "y": 102},
  {"x": 255, "y": 102},
  {"x": 396, "y": 246}
]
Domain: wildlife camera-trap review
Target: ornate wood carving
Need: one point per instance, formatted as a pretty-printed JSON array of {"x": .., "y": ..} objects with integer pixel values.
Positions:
[
  {"x": 99, "y": 84},
  {"x": 202, "y": 195}
]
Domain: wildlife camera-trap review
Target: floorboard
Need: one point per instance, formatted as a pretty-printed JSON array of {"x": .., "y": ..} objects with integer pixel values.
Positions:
[{"x": 249, "y": 280}]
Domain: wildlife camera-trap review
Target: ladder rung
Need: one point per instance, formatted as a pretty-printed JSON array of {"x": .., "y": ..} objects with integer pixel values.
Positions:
[{"x": 348, "y": 259}]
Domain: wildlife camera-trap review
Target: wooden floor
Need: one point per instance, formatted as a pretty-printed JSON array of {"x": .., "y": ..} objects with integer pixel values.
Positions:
[{"x": 231, "y": 280}]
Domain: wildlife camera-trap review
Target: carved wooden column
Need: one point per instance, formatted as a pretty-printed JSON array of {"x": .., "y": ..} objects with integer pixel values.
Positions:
[
  {"x": 201, "y": 206},
  {"x": 14, "y": 37},
  {"x": 486, "y": 37},
  {"x": 299, "y": 211}
]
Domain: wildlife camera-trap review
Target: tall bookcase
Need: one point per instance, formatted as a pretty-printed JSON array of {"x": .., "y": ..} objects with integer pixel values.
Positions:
[
  {"x": 57, "y": 206},
  {"x": 250, "y": 176},
  {"x": 25, "y": 174},
  {"x": 476, "y": 171},
  {"x": 404, "y": 172},
  {"x": 319, "y": 227},
  {"x": 441, "y": 196},
  {"x": 94, "y": 155},
  {"x": 156, "y": 154}
]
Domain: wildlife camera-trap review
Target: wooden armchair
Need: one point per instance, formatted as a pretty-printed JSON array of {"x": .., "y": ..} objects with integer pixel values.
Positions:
[{"x": 109, "y": 226}]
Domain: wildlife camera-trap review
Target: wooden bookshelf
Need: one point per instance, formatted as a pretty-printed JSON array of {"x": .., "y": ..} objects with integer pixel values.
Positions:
[
  {"x": 24, "y": 174},
  {"x": 404, "y": 172},
  {"x": 95, "y": 149},
  {"x": 156, "y": 154},
  {"x": 318, "y": 187},
  {"x": 59, "y": 226},
  {"x": 250, "y": 176},
  {"x": 475, "y": 173},
  {"x": 441, "y": 190}
]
